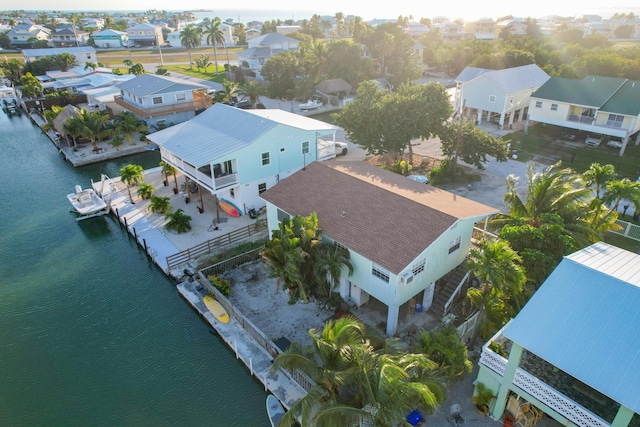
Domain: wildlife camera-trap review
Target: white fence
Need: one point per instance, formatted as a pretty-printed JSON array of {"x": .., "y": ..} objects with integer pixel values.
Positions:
[{"x": 629, "y": 230}]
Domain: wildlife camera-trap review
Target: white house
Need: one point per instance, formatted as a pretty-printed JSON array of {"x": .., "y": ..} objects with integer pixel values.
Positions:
[
  {"x": 595, "y": 104},
  {"x": 238, "y": 154},
  {"x": 261, "y": 48},
  {"x": 69, "y": 37},
  {"x": 572, "y": 352},
  {"x": 22, "y": 35},
  {"x": 401, "y": 235},
  {"x": 83, "y": 54},
  {"x": 499, "y": 96},
  {"x": 92, "y": 23},
  {"x": 173, "y": 38},
  {"x": 162, "y": 100},
  {"x": 145, "y": 35}
]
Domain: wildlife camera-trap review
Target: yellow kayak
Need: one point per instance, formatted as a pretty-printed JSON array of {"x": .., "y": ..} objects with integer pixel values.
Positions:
[{"x": 216, "y": 309}]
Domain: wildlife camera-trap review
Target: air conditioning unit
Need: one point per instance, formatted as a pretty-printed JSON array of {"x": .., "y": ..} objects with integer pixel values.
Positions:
[{"x": 406, "y": 278}]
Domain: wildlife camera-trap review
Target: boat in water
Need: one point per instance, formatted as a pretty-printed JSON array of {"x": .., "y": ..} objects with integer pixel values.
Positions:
[
  {"x": 88, "y": 203},
  {"x": 311, "y": 104},
  {"x": 8, "y": 99}
]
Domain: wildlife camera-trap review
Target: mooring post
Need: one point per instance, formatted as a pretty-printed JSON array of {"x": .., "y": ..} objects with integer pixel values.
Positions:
[
  {"x": 144, "y": 242},
  {"x": 134, "y": 232},
  {"x": 125, "y": 222}
]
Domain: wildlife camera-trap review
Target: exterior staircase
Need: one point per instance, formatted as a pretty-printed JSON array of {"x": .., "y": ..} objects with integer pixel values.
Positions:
[{"x": 445, "y": 287}]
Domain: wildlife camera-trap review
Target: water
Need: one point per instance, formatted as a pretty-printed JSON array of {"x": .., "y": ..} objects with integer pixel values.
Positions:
[{"x": 91, "y": 332}]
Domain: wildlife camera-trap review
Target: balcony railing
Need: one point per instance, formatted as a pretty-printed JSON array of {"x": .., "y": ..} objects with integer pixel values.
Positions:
[
  {"x": 226, "y": 180},
  {"x": 164, "y": 109},
  {"x": 581, "y": 119},
  {"x": 542, "y": 392}
]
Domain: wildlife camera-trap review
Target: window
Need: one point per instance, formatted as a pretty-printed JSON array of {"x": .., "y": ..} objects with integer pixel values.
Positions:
[
  {"x": 157, "y": 100},
  {"x": 181, "y": 96},
  {"x": 538, "y": 104},
  {"x": 380, "y": 272},
  {"x": 282, "y": 215},
  {"x": 232, "y": 193},
  {"x": 340, "y": 246},
  {"x": 492, "y": 98},
  {"x": 305, "y": 147},
  {"x": 615, "y": 120},
  {"x": 419, "y": 267},
  {"x": 139, "y": 100},
  {"x": 455, "y": 245},
  {"x": 262, "y": 188},
  {"x": 161, "y": 122},
  {"x": 265, "y": 159},
  {"x": 554, "y": 107}
]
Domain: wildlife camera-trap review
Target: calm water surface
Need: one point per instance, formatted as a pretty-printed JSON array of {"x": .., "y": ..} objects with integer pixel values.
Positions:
[{"x": 91, "y": 332}]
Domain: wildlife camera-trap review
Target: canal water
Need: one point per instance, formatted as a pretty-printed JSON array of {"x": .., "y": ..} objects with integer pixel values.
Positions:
[{"x": 92, "y": 333}]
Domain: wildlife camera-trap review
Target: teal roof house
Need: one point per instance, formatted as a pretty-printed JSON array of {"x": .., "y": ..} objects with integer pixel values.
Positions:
[
  {"x": 402, "y": 235},
  {"x": 237, "y": 154},
  {"x": 602, "y": 105},
  {"x": 110, "y": 39},
  {"x": 574, "y": 349}
]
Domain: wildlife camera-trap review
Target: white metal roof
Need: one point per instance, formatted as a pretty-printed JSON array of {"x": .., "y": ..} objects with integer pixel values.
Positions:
[
  {"x": 511, "y": 80},
  {"x": 222, "y": 129},
  {"x": 57, "y": 51},
  {"x": 585, "y": 320},
  {"x": 148, "y": 84}
]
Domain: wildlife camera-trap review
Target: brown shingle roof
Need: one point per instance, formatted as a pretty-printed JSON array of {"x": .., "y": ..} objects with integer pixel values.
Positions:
[
  {"x": 387, "y": 218},
  {"x": 333, "y": 86}
]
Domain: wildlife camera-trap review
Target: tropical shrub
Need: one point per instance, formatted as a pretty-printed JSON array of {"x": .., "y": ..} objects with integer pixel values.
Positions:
[
  {"x": 178, "y": 221},
  {"x": 145, "y": 190},
  {"x": 446, "y": 349},
  {"x": 224, "y": 286}
]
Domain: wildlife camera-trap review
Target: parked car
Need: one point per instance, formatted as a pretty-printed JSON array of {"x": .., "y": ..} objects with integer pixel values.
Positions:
[
  {"x": 614, "y": 143},
  {"x": 593, "y": 140},
  {"x": 341, "y": 148},
  {"x": 419, "y": 178}
]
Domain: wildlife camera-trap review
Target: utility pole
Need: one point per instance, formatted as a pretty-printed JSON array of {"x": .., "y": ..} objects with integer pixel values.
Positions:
[{"x": 160, "y": 49}]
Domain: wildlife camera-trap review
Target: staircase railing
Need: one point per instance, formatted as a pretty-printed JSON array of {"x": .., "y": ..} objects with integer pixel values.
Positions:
[{"x": 454, "y": 294}]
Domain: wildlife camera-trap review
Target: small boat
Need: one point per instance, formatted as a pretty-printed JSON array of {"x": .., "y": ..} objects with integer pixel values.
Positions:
[
  {"x": 87, "y": 204},
  {"x": 311, "y": 104},
  {"x": 274, "y": 410},
  {"x": 216, "y": 309},
  {"x": 8, "y": 99}
]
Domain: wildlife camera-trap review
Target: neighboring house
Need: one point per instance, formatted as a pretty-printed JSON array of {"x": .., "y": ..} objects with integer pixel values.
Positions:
[
  {"x": 145, "y": 35},
  {"x": 92, "y": 23},
  {"x": 69, "y": 37},
  {"x": 110, "y": 38},
  {"x": 482, "y": 29},
  {"x": 416, "y": 29},
  {"x": 23, "y": 35},
  {"x": 401, "y": 235},
  {"x": 88, "y": 81},
  {"x": 238, "y": 154},
  {"x": 514, "y": 27},
  {"x": 287, "y": 29},
  {"x": 82, "y": 54},
  {"x": 596, "y": 104},
  {"x": 574, "y": 351},
  {"x": 173, "y": 38},
  {"x": 631, "y": 25},
  {"x": 252, "y": 33},
  {"x": 450, "y": 30},
  {"x": 162, "y": 100},
  {"x": 498, "y": 96},
  {"x": 261, "y": 48}
]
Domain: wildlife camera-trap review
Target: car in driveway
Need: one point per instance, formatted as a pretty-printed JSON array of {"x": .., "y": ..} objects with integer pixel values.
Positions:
[
  {"x": 341, "y": 148},
  {"x": 593, "y": 140},
  {"x": 422, "y": 179},
  {"x": 614, "y": 143}
]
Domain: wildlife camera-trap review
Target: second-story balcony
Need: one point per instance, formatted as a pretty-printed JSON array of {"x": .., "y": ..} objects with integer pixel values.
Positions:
[
  {"x": 581, "y": 119},
  {"x": 558, "y": 390},
  {"x": 160, "y": 110}
]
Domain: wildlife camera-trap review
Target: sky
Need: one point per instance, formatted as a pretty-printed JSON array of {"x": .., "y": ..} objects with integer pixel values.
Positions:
[{"x": 466, "y": 9}]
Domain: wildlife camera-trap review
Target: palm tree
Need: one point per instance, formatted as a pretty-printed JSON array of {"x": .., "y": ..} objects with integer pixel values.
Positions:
[
  {"x": 73, "y": 127},
  {"x": 90, "y": 66},
  {"x": 167, "y": 170},
  {"x": 556, "y": 191},
  {"x": 598, "y": 176},
  {"x": 178, "y": 221},
  {"x": 131, "y": 175},
  {"x": 215, "y": 36},
  {"x": 160, "y": 204},
  {"x": 190, "y": 38},
  {"x": 93, "y": 125},
  {"x": 229, "y": 90},
  {"x": 502, "y": 280},
  {"x": 328, "y": 268},
  {"x": 615, "y": 192},
  {"x": 128, "y": 123},
  {"x": 252, "y": 90},
  {"x": 145, "y": 190}
]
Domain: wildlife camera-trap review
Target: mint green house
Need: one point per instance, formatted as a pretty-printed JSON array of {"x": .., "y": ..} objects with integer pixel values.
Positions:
[
  {"x": 402, "y": 235},
  {"x": 237, "y": 154},
  {"x": 573, "y": 351}
]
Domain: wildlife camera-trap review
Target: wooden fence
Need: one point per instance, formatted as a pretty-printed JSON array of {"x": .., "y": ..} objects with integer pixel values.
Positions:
[{"x": 211, "y": 245}]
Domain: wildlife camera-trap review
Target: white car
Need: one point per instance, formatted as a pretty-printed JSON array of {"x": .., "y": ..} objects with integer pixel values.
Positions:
[
  {"x": 614, "y": 143},
  {"x": 341, "y": 148},
  {"x": 419, "y": 178}
]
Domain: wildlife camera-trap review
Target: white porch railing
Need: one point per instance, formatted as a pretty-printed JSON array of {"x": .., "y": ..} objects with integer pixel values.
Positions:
[
  {"x": 542, "y": 392},
  {"x": 226, "y": 180},
  {"x": 629, "y": 230},
  {"x": 455, "y": 294}
]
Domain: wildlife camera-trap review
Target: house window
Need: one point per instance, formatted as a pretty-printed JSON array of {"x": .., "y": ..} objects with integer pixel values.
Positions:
[
  {"x": 554, "y": 107},
  {"x": 340, "y": 246},
  {"x": 305, "y": 147},
  {"x": 419, "y": 267},
  {"x": 181, "y": 96},
  {"x": 160, "y": 122},
  {"x": 492, "y": 98},
  {"x": 139, "y": 100},
  {"x": 282, "y": 215},
  {"x": 157, "y": 100},
  {"x": 380, "y": 272},
  {"x": 262, "y": 188},
  {"x": 455, "y": 245},
  {"x": 232, "y": 193},
  {"x": 538, "y": 104},
  {"x": 121, "y": 93},
  {"x": 265, "y": 159},
  {"x": 615, "y": 120}
]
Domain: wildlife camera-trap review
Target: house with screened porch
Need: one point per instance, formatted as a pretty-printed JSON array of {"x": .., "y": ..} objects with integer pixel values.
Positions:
[
  {"x": 573, "y": 351},
  {"x": 401, "y": 235}
]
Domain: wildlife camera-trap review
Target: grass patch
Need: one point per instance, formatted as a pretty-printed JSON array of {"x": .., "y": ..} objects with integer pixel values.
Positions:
[
  {"x": 544, "y": 143},
  {"x": 622, "y": 242},
  {"x": 210, "y": 75}
]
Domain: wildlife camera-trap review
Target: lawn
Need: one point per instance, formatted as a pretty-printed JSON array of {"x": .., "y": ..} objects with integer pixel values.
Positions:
[
  {"x": 544, "y": 144},
  {"x": 209, "y": 75}
]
